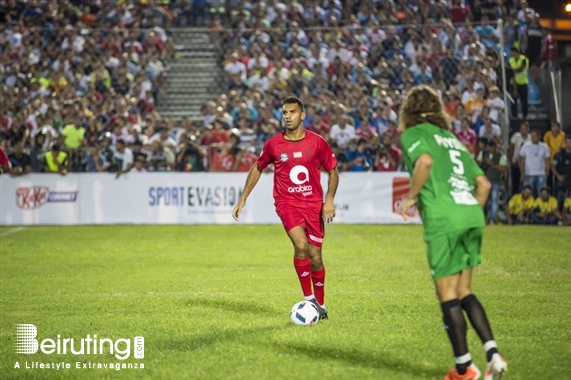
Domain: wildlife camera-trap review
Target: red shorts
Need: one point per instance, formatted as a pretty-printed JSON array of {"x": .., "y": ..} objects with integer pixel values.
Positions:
[{"x": 308, "y": 216}]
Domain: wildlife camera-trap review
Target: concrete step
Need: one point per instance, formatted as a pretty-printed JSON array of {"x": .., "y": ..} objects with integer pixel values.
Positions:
[
  {"x": 199, "y": 72},
  {"x": 184, "y": 91},
  {"x": 191, "y": 78},
  {"x": 196, "y": 117},
  {"x": 186, "y": 101},
  {"x": 189, "y": 46},
  {"x": 199, "y": 55}
]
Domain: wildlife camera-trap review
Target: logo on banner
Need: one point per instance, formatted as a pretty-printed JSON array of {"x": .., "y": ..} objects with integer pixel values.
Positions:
[
  {"x": 401, "y": 187},
  {"x": 36, "y": 196}
]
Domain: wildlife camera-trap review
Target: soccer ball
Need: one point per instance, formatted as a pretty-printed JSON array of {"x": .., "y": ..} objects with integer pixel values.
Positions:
[{"x": 304, "y": 313}]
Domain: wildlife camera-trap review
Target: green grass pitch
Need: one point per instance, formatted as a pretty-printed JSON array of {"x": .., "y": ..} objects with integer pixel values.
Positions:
[{"x": 213, "y": 302}]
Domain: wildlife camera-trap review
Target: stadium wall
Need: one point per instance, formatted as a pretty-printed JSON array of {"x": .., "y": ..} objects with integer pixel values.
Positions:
[{"x": 180, "y": 198}]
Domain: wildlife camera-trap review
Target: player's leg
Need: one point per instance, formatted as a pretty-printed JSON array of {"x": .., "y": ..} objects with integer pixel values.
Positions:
[
  {"x": 315, "y": 232},
  {"x": 292, "y": 220},
  {"x": 472, "y": 243},
  {"x": 444, "y": 267},
  {"x": 301, "y": 260}
]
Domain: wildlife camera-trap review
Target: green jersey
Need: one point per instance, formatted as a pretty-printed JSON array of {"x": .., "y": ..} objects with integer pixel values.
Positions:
[{"x": 446, "y": 202}]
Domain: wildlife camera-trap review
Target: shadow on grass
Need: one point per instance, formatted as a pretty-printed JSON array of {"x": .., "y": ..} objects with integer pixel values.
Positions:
[
  {"x": 359, "y": 358},
  {"x": 234, "y": 306},
  {"x": 218, "y": 336}
]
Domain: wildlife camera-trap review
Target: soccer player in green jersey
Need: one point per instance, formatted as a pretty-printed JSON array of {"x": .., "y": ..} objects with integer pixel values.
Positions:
[{"x": 450, "y": 191}]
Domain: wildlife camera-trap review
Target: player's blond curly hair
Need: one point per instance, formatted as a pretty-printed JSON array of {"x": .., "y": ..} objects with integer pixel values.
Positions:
[{"x": 423, "y": 105}]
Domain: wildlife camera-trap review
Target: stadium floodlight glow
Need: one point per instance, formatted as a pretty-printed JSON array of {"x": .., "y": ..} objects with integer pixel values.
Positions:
[{"x": 568, "y": 8}]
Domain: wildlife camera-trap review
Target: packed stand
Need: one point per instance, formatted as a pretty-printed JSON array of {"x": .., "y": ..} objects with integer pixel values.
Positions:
[
  {"x": 80, "y": 85},
  {"x": 352, "y": 65}
]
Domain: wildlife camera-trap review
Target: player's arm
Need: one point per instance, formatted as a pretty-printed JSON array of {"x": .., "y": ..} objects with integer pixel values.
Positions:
[
  {"x": 482, "y": 191},
  {"x": 420, "y": 175},
  {"x": 253, "y": 177},
  {"x": 329, "y": 206}
]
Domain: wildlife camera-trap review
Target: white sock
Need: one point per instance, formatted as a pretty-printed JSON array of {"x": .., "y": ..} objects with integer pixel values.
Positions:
[
  {"x": 309, "y": 298},
  {"x": 463, "y": 359},
  {"x": 489, "y": 345}
]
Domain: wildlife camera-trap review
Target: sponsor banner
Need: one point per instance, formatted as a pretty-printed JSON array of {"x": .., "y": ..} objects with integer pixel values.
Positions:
[
  {"x": 196, "y": 198},
  {"x": 39, "y": 199}
]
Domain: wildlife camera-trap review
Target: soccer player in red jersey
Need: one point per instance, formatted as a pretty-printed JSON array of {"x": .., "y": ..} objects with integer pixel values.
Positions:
[
  {"x": 5, "y": 165},
  {"x": 298, "y": 156}
]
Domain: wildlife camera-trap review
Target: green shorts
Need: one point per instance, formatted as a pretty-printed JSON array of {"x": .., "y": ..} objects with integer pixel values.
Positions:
[{"x": 455, "y": 251}]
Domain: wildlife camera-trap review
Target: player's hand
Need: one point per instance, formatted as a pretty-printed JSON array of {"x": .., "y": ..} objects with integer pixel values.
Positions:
[
  {"x": 238, "y": 210},
  {"x": 328, "y": 212},
  {"x": 407, "y": 204}
]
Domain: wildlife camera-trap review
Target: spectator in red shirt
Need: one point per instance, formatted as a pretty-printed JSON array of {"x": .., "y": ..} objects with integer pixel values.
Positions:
[
  {"x": 319, "y": 126},
  {"x": 393, "y": 133},
  {"x": 459, "y": 13},
  {"x": 388, "y": 156}
]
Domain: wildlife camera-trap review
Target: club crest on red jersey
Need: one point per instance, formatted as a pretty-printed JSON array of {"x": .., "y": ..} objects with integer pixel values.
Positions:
[{"x": 284, "y": 157}]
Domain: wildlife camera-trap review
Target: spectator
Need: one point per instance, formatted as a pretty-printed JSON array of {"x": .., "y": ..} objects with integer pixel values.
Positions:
[
  {"x": 494, "y": 165},
  {"x": 519, "y": 63},
  {"x": 534, "y": 163},
  {"x": 123, "y": 158},
  {"x": 545, "y": 209},
  {"x": 160, "y": 158},
  {"x": 533, "y": 44},
  {"x": 555, "y": 139},
  {"x": 56, "y": 161},
  {"x": 495, "y": 104},
  {"x": 359, "y": 159},
  {"x": 491, "y": 131},
  {"x": 388, "y": 156},
  {"x": 95, "y": 161},
  {"x": 342, "y": 132},
  {"x": 567, "y": 211},
  {"x": 562, "y": 171},
  {"x": 520, "y": 207},
  {"x": 190, "y": 157},
  {"x": 517, "y": 141},
  {"x": 138, "y": 166},
  {"x": 475, "y": 105},
  {"x": 74, "y": 134},
  {"x": 467, "y": 136},
  {"x": 20, "y": 161}
]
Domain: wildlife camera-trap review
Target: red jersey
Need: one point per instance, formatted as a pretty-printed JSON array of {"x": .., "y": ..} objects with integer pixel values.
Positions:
[
  {"x": 298, "y": 164},
  {"x": 3, "y": 157}
]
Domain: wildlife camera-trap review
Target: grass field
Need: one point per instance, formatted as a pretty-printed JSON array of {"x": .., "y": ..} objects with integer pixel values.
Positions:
[{"x": 212, "y": 302}]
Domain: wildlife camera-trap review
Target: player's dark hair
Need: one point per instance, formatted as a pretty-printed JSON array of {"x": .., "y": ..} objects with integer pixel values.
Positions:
[
  {"x": 423, "y": 105},
  {"x": 294, "y": 100}
]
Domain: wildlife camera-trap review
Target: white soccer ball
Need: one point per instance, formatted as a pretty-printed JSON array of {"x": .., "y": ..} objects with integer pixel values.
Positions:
[{"x": 304, "y": 313}]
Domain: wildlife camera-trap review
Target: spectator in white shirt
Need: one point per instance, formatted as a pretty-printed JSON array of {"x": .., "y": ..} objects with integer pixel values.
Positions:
[
  {"x": 516, "y": 142},
  {"x": 342, "y": 132},
  {"x": 490, "y": 131},
  {"x": 534, "y": 163},
  {"x": 235, "y": 71},
  {"x": 495, "y": 104},
  {"x": 123, "y": 157}
]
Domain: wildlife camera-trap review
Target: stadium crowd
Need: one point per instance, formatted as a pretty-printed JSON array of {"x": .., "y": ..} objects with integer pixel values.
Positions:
[{"x": 80, "y": 80}]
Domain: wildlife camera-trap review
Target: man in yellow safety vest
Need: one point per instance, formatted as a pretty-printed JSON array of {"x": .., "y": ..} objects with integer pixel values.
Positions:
[{"x": 519, "y": 63}]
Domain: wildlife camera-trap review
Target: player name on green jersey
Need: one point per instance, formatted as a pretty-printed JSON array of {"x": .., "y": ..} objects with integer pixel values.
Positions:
[{"x": 446, "y": 202}]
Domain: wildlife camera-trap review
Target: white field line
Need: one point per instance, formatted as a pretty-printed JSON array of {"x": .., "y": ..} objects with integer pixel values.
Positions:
[{"x": 12, "y": 231}]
